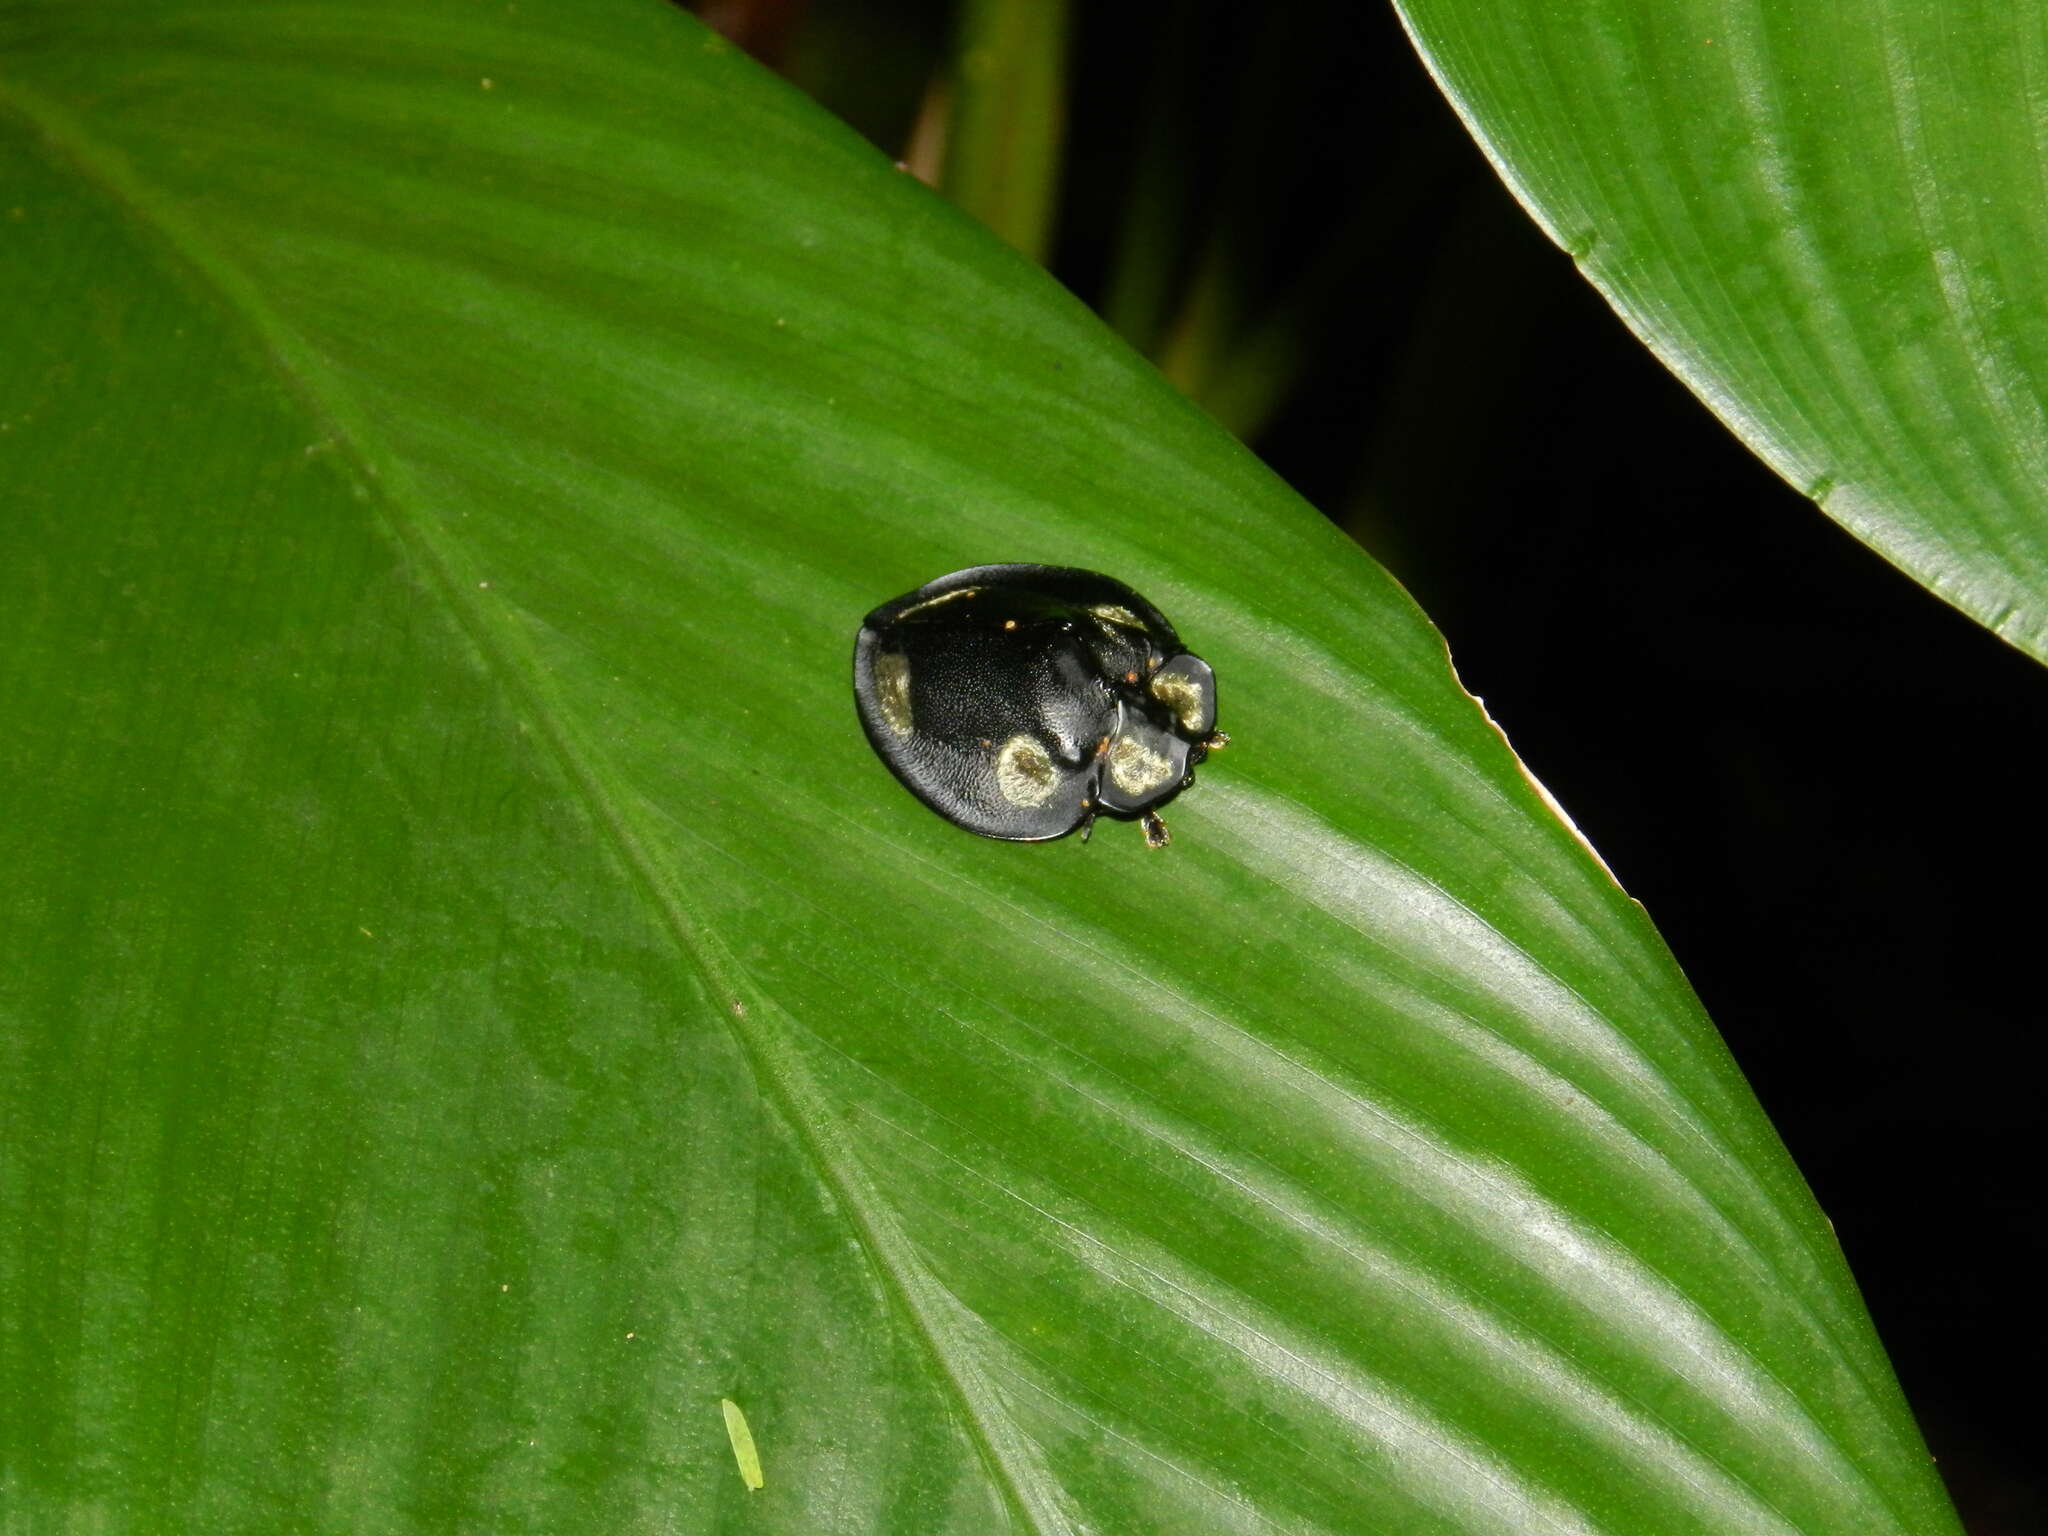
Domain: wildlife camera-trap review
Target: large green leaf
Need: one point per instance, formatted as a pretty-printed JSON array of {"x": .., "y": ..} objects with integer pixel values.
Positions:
[
  {"x": 472, "y": 1003},
  {"x": 1828, "y": 221}
]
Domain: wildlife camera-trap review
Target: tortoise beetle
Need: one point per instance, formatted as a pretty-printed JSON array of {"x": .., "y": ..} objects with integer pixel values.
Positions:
[{"x": 1022, "y": 701}]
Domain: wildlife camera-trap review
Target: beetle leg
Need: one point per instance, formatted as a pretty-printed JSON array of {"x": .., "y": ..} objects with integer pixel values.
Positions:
[
  {"x": 1216, "y": 741},
  {"x": 1155, "y": 830}
]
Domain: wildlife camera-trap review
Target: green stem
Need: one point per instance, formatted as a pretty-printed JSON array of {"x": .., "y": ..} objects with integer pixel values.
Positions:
[{"x": 1008, "y": 115}]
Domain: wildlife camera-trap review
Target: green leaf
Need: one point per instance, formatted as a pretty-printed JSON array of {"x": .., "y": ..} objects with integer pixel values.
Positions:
[
  {"x": 473, "y": 1005},
  {"x": 1827, "y": 220}
]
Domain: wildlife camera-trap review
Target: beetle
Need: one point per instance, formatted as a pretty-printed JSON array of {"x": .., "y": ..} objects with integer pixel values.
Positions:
[{"x": 1022, "y": 701}]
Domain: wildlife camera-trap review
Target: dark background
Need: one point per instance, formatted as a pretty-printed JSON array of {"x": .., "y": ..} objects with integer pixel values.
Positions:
[{"x": 1822, "y": 781}]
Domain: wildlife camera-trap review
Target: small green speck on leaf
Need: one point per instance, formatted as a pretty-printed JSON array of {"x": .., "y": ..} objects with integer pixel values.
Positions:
[{"x": 742, "y": 1439}]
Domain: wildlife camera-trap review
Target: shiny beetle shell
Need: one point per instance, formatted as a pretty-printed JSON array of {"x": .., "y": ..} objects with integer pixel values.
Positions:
[{"x": 1022, "y": 701}]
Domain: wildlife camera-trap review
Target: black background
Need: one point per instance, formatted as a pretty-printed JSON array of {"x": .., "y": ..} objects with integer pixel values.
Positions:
[{"x": 1822, "y": 782}]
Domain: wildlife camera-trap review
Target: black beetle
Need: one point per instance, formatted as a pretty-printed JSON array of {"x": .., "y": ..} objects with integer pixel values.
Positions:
[{"x": 1022, "y": 701}]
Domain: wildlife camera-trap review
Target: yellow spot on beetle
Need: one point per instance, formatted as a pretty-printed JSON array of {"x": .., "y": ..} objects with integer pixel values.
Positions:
[
  {"x": 892, "y": 690},
  {"x": 742, "y": 1439},
  {"x": 1117, "y": 613},
  {"x": 1181, "y": 695},
  {"x": 1136, "y": 768},
  {"x": 1024, "y": 772},
  {"x": 933, "y": 602}
]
